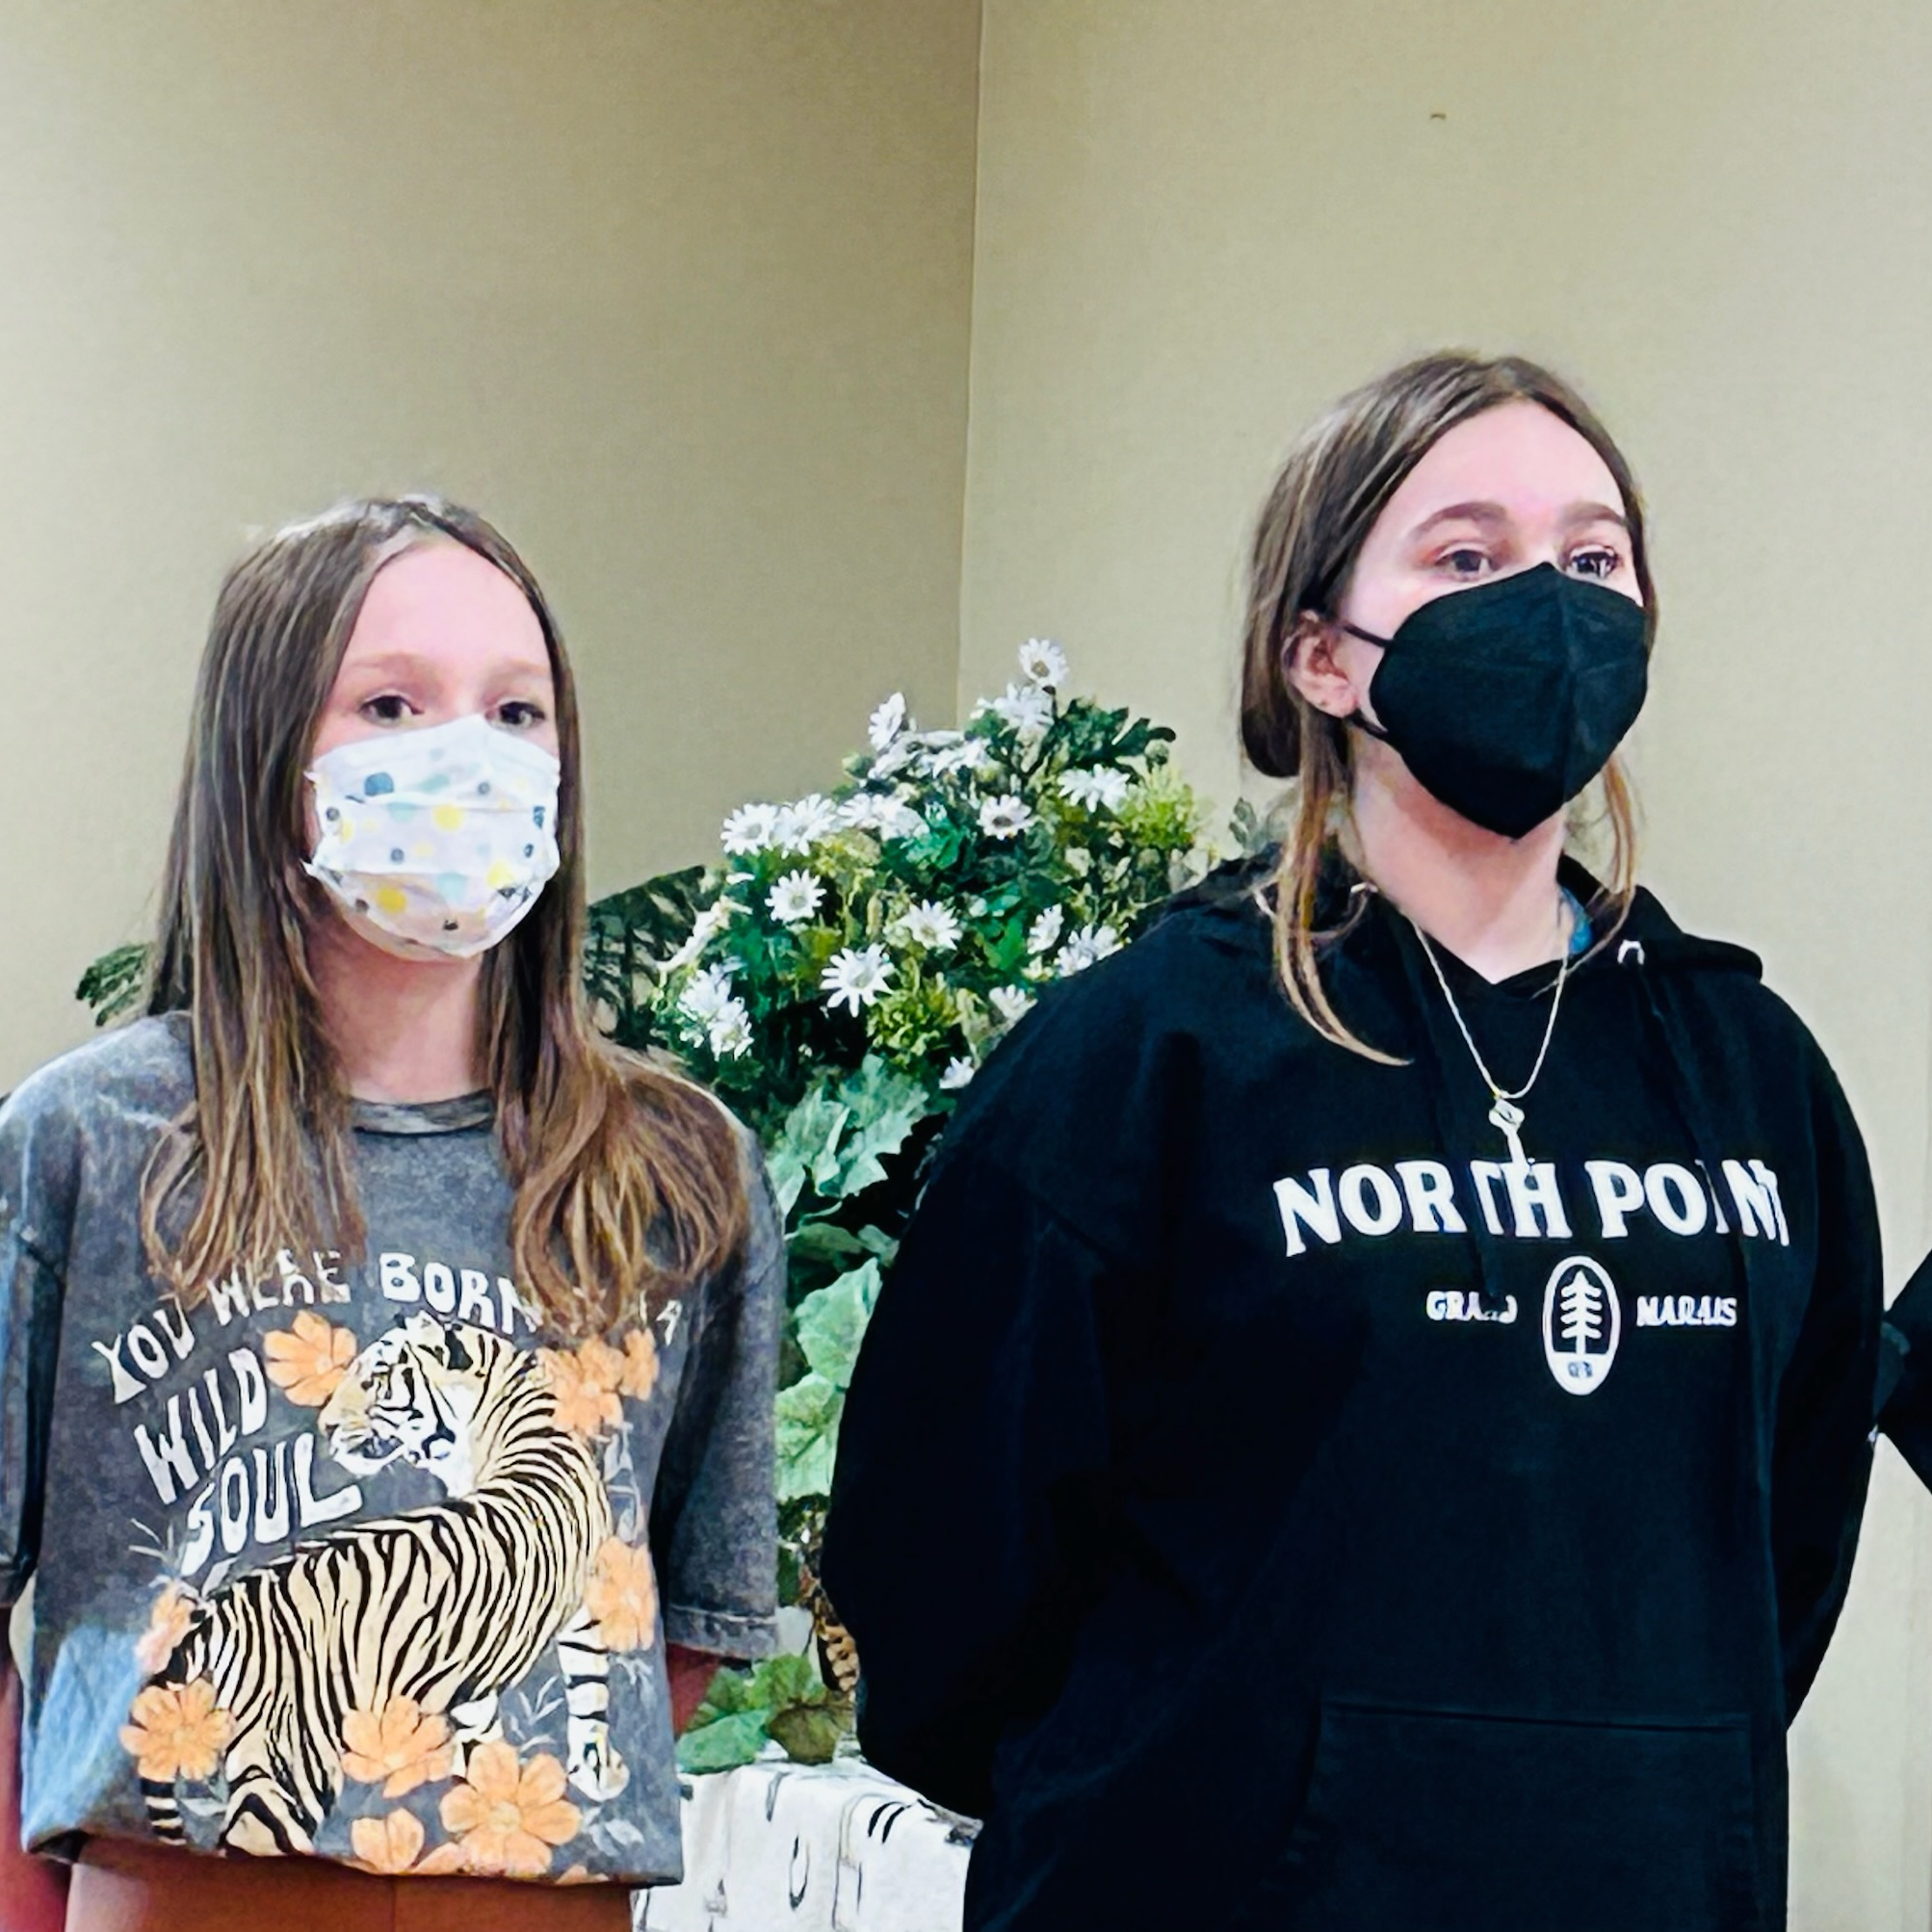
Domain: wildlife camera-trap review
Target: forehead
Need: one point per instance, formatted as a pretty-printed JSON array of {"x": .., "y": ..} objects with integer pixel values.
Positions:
[
  {"x": 1518, "y": 455},
  {"x": 442, "y": 602}
]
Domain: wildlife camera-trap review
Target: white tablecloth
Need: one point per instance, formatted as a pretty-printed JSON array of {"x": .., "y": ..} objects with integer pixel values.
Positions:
[{"x": 784, "y": 1847}]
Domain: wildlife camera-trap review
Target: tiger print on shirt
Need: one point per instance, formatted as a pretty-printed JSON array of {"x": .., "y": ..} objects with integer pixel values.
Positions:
[{"x": 448, "y": 1605}]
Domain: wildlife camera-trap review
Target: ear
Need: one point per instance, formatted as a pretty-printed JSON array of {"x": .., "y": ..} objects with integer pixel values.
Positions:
[{"x": 1310, "y": 663}]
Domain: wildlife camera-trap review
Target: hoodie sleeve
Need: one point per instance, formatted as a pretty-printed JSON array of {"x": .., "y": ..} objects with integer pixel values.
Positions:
[
  {"x": 1823, "y": 1454},
  {"x": 1905, "y": 1389},
  {"x": 968, "y": 1504}
]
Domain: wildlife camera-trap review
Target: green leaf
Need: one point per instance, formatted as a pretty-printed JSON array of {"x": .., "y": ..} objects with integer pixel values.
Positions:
[
  {"x": 810, "y": 1733},
  {"x": 115, "y": 982},
  {"x": 808, "y": 1436},
  {"x": 788, "y": 1678},
  {"x": 832, "y": 1323},
  {"x": 876, "y": 1241},
  {"x": 884, "y": 1106},
  {"x": 807, "y": 1147},
  {"x": 728, "y": 1694},
  {"x": 826, "y": 1241},
  {"x": 724, "y": 1745}
]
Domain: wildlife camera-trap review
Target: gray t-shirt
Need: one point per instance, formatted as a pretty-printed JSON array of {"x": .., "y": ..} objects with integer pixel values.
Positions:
[{"x": 354, "y": 1559}]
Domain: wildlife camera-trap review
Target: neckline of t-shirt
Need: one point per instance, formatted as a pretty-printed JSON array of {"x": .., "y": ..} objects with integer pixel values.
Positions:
[{"x": 423, "y": 1116}]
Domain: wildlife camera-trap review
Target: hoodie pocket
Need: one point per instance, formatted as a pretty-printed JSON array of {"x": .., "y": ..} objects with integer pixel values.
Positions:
[{"x": 1453, "y": 1822}]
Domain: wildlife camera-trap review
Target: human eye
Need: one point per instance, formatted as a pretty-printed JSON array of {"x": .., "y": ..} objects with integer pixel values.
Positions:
[
  {"x": 520, "y": 714},
  {"x": 1465, "y": 561},
  {"x": 1597, "y": 561},
  {"x": 390, "y": 707}
]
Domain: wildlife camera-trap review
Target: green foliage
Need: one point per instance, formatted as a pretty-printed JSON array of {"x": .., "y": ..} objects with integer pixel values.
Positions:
[
  {"x": 782, "y": 1699},
  {"x": 840, "y": 976},
  {"x": 113, "y": 985}
]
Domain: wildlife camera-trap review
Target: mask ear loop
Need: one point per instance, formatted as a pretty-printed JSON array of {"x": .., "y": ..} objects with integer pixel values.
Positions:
[{"x": 1359, "y": 718}]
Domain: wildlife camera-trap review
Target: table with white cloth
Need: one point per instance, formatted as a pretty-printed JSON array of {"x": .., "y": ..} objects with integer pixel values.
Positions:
[{"x": 840, "y": 1847}]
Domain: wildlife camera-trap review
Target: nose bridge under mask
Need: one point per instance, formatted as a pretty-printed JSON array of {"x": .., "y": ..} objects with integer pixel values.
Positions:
[
  {"x": 437, "y": 839},
  {"x": 1505, "y": 699}
]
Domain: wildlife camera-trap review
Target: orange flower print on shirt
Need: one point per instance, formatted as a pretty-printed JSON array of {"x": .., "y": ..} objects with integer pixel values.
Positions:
[
  {"x": 305, "y": 1362},
  {"x": 585, "y": 1381},
  {"x": 167, "y": 1624},
  {"x": 398, "y": 1749},
  {"x": 622, "y": 1595},
  {"x": 505, "y": 1819},
  {"x": 387, "y": 1846},
  {"x": 641, "y": 1364},
  {"x": 176, "y": 1732}
]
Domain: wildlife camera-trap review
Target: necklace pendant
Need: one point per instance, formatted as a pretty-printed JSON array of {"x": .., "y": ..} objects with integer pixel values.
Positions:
[{"x": 1507, "y": 1118}]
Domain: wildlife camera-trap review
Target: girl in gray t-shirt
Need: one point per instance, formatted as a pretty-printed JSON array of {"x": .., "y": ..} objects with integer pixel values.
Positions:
[{"x": 385, "y": 1360}]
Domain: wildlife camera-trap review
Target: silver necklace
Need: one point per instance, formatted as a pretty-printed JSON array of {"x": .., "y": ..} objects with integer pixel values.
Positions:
[{"x": 1505, "y": 1115}]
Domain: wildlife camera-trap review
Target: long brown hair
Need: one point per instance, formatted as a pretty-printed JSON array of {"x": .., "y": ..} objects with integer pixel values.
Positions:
[
  {"x": 1335, "y": 483},
  {"x": 626, "y": 1175}
]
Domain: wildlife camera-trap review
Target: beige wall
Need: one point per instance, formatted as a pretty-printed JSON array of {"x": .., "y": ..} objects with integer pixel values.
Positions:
[
  {"x": 676, "y": 290},
  {"x": 1198, "y": 223}
]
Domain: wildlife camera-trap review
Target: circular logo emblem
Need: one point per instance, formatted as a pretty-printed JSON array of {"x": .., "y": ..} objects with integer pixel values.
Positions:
[{"x": 1583, "y": 1324}]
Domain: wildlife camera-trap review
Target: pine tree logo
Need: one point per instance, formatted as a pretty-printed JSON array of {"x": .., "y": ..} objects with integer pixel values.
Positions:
[{"x": 1583, "y": 1324}]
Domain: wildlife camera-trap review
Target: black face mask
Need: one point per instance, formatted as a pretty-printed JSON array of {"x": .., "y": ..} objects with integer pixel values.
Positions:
[{"x": 1504, "y": 701}]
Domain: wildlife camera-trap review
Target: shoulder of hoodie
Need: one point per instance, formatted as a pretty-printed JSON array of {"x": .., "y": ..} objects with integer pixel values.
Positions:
[
  {"x": 103, "y": 1103},
  {"x": 1090, "y": 1073},
  {"x": 1723, "y": 978}
]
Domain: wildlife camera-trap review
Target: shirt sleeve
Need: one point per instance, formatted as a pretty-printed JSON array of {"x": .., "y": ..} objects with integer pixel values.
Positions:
[
  {"x": 30, "y": 1324},
  {"x": 968, "y": 1522},
  {"x": 714, "y": 1511},
  {"x": 1823, "y": 1454}
]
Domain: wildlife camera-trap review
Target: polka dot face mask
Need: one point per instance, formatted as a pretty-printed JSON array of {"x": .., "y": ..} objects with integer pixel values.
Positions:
[{"x": 438, "y": 840}]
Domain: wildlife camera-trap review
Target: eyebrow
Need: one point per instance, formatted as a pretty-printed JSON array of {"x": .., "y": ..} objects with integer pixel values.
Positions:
[
  {"x": 393, "y": 664},
  {"x": 1493, "y": 514}
]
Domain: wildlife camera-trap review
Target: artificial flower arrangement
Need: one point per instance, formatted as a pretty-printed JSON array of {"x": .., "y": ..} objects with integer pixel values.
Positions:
[{"x": 837, "y": 980}]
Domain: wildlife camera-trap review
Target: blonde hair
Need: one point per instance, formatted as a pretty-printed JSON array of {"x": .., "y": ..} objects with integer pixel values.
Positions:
[
  {"x": 1334, "y": 484},
  {"x": 626, "y": 1175}
]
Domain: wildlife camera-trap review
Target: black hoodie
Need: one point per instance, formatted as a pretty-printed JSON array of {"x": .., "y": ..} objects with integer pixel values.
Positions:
[{"x": 1247, "y": 1476}]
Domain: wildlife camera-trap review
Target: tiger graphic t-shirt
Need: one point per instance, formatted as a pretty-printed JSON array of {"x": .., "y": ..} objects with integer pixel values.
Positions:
[{"x": 354, "y": 1559}]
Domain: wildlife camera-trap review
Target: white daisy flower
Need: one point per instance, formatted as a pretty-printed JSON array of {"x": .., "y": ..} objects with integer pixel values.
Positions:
[
  {"x": 905, "y": 824},
  {"x": 1090, "y": 943},
  {"x": 1043, "y": 934},
  {"x": 1025, "y": 707},
  {"x": 887, "y": 721},
  {"x": 932, "y": 926},
  {"x": 958, "y": 1073},
  {"x": 886, "y": 813},
  {"x": 962, "y": 754},
  {"x": 1043, "y": 662},
  {"x": 856, "y": 976},
  {"x": 1010, "y": 1002},
  {"x": 863, "y": 811},
  {"x": 710, "y": 922},
  {"x": 1098, "y": 786},
  {"x": 794, "y": 898},
  {"x": 1006, "y": 818},
  {"x": 707, "y": 995},
  {"x": 730, "y": 1031},
  {"x": 751, "y": 828},
  {"x": 804, "y": 824}
]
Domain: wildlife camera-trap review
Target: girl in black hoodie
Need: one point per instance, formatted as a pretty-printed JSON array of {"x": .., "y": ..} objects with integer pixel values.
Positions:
[{"x": 1373, "y": 1409}]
